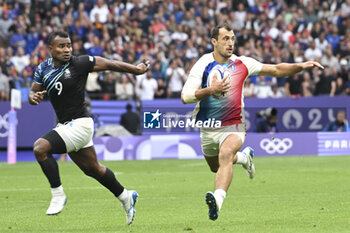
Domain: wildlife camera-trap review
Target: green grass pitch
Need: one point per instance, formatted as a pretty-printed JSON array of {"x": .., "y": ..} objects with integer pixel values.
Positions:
[{"x": 288, "y": 194}]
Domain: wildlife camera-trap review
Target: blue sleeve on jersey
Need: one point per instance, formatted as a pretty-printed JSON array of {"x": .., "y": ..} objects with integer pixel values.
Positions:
[{"x": 37, "y": 75}]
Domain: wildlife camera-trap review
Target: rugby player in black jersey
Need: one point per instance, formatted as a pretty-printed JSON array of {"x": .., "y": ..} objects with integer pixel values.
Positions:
[{"x": 63, "y": 78}]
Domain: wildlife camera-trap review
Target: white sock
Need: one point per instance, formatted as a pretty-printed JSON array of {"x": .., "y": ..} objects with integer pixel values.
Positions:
[
  {"x": 57, "y": 191},
  {"x": 220, "y": 195},
  {"x": 123, "y": 197},
  {"x": 241, "y": 158}
]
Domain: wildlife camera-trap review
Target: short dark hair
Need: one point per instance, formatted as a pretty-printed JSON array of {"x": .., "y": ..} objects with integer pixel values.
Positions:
[
  {"x": 215, "y": 31},
  {"x": 53, "y": 35}
]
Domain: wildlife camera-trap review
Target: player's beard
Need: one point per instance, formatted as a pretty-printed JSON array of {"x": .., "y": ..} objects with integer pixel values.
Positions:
[{"x": 225, "y": 54}]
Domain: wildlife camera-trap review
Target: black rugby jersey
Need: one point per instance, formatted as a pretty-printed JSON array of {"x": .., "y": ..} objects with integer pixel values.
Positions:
[{"x": 65, "y": 85}]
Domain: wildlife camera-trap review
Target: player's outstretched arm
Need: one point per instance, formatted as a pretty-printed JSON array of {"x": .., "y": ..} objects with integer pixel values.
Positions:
[
  {"x": 103, "y": 64},
  {"x": 36, "y": 94},
  {"x": 287, "y": 69}
]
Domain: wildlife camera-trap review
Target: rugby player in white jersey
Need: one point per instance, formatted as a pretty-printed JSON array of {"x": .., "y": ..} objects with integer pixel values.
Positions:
[{"x": 222, "y": 99}]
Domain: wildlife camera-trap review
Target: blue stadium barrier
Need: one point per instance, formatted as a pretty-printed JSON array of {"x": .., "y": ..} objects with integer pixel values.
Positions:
[{"x": 109, "y": 112}]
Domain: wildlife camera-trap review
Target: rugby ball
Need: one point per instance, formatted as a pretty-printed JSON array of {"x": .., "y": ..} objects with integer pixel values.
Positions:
[{"x": 221, "y": 72}]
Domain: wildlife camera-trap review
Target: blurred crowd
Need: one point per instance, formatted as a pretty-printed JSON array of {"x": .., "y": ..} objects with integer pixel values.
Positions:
[{"x": 173, "y": 34}]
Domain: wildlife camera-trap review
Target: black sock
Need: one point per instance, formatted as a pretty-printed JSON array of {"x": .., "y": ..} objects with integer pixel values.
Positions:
[
  {"x": 109, "y": 181},
  {"x": 50, "y": 169}
]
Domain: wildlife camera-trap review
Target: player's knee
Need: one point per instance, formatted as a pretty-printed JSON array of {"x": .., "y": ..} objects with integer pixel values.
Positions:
[
  {"x": 92, "y": 171},
  {"x": 40, "y": 149},
  {"x": 226, "y": 154}
]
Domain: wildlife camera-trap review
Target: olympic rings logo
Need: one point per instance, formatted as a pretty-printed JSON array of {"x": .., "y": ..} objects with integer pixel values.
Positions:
[
  {"x": 4, "y": 124},
  {"x": 276, "y": 145}
]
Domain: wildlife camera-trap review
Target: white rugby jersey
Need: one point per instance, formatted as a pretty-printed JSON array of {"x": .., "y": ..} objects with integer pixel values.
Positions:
[{"x": 228, "y": 108}]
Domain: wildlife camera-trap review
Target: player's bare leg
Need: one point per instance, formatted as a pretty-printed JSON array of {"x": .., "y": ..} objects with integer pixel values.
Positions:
[
  {"x": 227, "y": 157},
  {"x": 224, "y": 170},
  {"x": 86, "y": 159}
]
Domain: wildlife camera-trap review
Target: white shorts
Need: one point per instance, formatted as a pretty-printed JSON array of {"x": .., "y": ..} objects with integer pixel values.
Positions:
[
  {"x": 76, "y": 134},
  {"x": 212, "y": 138}
]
